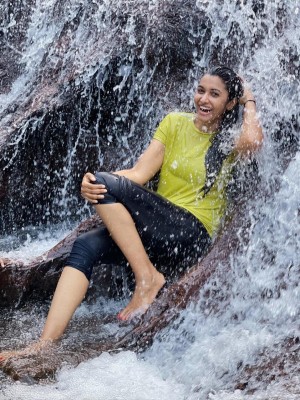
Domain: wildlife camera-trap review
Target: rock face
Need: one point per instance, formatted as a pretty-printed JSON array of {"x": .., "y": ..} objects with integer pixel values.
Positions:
[
  {"x": 80, "y": 114},
  {"x": 71, "y": 107},
  {"x": 36, "y": 281}
]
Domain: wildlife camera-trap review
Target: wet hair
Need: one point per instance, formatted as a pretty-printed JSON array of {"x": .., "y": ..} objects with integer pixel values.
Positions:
[{"x": 222, "y": 142}]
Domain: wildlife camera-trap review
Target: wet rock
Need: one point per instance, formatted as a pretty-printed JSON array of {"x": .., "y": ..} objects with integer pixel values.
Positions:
[
  {"x": 96, "y": 110},
  {"x": 20, "y": 283},
  {"x": 283, "y": 361},
  {"x": 76, "y": 114},
  {"x": 14, "y": 20},
  {"x": 53, "y": 132}
]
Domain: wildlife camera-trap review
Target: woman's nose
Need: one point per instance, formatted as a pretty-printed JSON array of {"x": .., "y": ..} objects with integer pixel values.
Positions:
[{"x": 204, "y": 97}]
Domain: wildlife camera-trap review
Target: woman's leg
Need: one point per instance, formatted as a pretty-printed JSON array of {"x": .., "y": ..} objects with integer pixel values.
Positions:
[
  {"x": 90, "y": 247},
  {"x": 69, "y": 293},
  {"x": 148, "y": 280},
  {"x": 137, "y": 219}
]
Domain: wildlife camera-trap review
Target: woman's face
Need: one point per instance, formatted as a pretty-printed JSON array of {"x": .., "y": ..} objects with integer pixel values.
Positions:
[{"x": 211, "y": 101}]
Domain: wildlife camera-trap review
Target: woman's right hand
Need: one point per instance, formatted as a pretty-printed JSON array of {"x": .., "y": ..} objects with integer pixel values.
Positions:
[{"x": 90, "y": 191}]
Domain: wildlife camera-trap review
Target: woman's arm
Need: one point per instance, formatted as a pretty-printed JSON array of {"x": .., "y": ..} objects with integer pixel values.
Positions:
[
  {"x": 145, "y": 168},
  {"x": 147, "y": 165},
  {"x": 251, "y": 137}
]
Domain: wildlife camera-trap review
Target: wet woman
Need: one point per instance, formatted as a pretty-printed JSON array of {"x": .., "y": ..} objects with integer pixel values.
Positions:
[{"x": 173, "y": 226}]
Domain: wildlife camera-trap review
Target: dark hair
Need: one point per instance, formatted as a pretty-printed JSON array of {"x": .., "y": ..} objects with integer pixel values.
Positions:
[{"x": 217, "y": 152}]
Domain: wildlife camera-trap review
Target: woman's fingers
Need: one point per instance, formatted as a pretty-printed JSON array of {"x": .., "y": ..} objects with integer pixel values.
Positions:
[
  {"x": 88, "y": 177},
  {"x": 91, "y": 191}
]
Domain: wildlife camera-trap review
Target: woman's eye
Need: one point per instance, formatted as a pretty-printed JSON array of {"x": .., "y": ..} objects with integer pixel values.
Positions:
[
  {"x": 200, "y": 90},
  {"x": 215, "y": 94}
]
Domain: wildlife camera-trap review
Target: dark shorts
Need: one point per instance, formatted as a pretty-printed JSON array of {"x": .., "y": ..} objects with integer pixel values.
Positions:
[{"x": 174, "y": 238}]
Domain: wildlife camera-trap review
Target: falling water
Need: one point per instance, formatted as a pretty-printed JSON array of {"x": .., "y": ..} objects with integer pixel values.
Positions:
[{"x": 246, "y": 322}]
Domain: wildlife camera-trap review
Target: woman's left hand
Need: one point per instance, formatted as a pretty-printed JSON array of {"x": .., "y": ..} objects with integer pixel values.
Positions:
[{"x": 90, "y": 191}]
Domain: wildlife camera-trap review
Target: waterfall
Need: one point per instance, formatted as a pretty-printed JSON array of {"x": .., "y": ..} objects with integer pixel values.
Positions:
[{"x": 84, "y": 85}]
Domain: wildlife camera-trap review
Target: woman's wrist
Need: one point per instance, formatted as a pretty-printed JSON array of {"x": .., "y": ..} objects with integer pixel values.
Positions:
[{"x": 249, "y": 100}]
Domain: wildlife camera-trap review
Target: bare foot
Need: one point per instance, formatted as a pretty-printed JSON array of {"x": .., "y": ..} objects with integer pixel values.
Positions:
[
  {"x": 29, "y": 350},
  {"x": 144, "y": 294}
]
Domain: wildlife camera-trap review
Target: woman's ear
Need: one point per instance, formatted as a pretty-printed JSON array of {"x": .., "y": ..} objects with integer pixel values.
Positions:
[{"x": 231, "y": 104}]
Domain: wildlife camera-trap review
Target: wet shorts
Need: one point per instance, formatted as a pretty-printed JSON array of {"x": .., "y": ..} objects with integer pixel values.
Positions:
[{"x": 173, "y": 237}]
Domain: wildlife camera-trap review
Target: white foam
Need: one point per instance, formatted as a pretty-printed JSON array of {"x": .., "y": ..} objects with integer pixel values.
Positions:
[
  {"x": 35, "y": 244},
  {"x": 108, "y": 377}
]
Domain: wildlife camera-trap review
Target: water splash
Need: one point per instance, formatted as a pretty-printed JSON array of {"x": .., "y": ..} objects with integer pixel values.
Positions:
[
  {"x": 31, "y": 242},
  {"x": 254, "y": 308}
]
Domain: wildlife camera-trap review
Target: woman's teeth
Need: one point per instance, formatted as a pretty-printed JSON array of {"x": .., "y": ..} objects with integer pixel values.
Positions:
[{"x": 206, "y": 110}]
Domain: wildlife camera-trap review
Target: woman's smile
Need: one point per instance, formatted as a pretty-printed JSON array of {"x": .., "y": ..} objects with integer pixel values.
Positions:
[{"x": 211, "y": 99}]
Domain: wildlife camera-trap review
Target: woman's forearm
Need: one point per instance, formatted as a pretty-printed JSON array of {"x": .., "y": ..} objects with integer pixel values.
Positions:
[
  {"x": 251, "y": 137},
  {"x": 132, "y": 175}
]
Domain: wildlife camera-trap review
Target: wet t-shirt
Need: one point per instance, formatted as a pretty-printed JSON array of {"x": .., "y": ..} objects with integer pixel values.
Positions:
[{"x": 183, "y": 171}]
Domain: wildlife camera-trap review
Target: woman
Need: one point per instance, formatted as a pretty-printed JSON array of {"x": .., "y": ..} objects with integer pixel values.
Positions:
[{"x": 174, "y": 226}]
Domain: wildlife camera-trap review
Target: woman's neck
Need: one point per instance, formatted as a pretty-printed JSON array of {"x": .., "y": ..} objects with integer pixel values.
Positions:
[{"x": 206, "y": 127}]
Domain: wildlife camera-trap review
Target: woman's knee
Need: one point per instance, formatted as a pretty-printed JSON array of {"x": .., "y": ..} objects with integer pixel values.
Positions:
[
  {"x": 111, "y": 183},
  {"x": 91, "y": 247},
  {"x": 84, "y": 253}
]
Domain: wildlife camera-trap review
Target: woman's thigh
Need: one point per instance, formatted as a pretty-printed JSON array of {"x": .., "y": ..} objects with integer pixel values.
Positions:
[{"x": 170, "y": 234}]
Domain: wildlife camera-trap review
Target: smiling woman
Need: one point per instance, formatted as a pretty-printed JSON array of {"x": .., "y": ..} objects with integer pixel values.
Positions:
[
  {"x": 217, "y": 100},
  {"x": 174, "y": 226},
  {"x": 211, "y": 101}
]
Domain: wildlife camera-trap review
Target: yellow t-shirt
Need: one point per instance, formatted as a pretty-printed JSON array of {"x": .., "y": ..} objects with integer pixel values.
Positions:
[{"x": 183, "y": 171}]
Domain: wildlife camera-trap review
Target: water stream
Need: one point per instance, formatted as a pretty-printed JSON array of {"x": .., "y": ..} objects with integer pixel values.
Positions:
[{"x": 240, "y": 318}]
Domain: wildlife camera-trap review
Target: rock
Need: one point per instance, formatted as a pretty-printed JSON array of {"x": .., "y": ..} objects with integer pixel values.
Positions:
[
  {"x": 20, "y": 282},
  {"x": 74, "y": 113},
  {"x": 283, "y": 361}
]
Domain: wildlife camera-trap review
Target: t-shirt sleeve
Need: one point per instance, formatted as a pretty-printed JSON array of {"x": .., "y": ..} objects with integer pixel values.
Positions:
[{"x": 161, "y": 132}]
